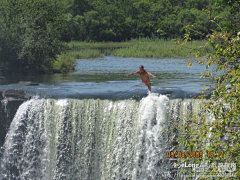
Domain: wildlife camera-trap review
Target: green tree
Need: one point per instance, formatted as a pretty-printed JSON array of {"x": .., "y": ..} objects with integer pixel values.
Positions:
[
  {"x": 73, "y": 28},
  {"x": 198, "y": 4},
  {"x": 79, "y": 7},
  {"x": 30, "y": 33}
]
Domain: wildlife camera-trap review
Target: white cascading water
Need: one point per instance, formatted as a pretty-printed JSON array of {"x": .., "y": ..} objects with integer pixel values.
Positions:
[
  {"x": 92, "y": 139},
  {"x": 150, "y": 148}
]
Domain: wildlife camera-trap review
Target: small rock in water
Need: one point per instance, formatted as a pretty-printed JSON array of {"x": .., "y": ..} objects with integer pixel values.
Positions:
[{"x": 27, "y": 83}]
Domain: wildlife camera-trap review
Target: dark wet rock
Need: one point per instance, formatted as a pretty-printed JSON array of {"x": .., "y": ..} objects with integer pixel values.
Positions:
[
  {"x": 15, "y": 95},
  {"x": 7, "y": 111},
  {"x": 1, "y": 77},
  {"x": 10, "y": 100},
  {"x": 27, "y": 83},
  {"x": 1, "y": 95},
  {"x": 4, "y": 72},
  {"x": 56, "y": 71}
]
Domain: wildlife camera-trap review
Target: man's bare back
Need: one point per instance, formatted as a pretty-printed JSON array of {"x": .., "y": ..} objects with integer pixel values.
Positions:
[{"x": 144, "y": 76}]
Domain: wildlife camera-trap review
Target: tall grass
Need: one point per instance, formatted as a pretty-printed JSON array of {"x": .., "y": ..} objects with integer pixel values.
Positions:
[
  {"x": 84, "y": 44},
  {"x": 84, "y": 53},
  {"x": 87, "y": 50},
  {"x": 159, "y": 49},
  {"x": 142, "y": 47}
]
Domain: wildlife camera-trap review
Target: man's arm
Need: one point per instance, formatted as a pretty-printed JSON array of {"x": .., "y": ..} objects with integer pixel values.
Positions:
[
  {"x": 150, "y": 73},
  {"x": 132, "y": 73}
]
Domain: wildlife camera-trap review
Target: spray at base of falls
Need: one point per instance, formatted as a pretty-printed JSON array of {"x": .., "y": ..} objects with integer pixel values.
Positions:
[{"x": 92, "y": 139}]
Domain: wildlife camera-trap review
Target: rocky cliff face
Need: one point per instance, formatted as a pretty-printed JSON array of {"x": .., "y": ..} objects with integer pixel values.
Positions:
[
  {"x": 7, "y": 112},
  {"x": 10, "y": 100}
]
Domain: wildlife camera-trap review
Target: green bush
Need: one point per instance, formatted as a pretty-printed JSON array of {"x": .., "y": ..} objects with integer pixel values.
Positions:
[{"x": 65, "y": 63}]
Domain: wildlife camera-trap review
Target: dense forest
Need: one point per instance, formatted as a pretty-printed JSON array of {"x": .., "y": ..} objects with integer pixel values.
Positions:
[
  {"x": 120, "y": 20},
  {"x": 32, "y": 33}
]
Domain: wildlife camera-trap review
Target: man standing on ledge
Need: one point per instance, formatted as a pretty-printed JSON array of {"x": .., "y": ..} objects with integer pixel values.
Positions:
[{"x": 144, "y": 75}]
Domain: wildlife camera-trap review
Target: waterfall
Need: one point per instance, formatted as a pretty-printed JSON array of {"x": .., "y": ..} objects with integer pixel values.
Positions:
[{"x": 93, "y": 139}]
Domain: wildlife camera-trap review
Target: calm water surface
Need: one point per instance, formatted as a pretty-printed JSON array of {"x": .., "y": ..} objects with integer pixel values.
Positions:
[{"x": 103, "y": 78}]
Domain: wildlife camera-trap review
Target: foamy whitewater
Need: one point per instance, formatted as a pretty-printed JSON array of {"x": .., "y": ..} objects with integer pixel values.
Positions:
[{"x": 93, "y": 139}]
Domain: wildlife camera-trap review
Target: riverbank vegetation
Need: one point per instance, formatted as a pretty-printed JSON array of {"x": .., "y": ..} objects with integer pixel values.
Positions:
[
  {"x": 64, "y": 63},
  {"x": 30, "y": 34},
  {"x": 160, "y": 48},
  {"x": 84, "y": 49},
  {"x": 34, "y": 33},
  {"x": 142, "y": 48}
]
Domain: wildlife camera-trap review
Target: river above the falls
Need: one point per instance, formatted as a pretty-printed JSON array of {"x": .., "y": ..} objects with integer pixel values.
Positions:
[{"x": 103, "y": 78}]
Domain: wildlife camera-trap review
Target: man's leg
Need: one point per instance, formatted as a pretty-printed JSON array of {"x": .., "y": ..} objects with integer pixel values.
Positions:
[{"x": 148, "y": 84}]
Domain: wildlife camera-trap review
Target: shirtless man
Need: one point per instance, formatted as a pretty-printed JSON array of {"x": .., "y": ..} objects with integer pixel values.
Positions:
[{"x": 144, "y": 75}]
